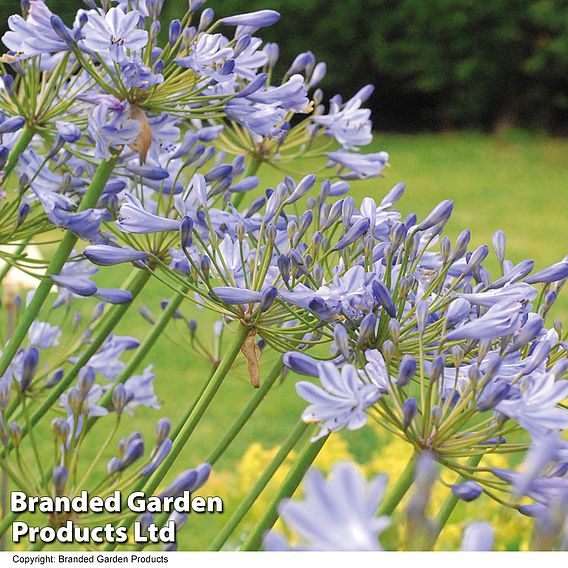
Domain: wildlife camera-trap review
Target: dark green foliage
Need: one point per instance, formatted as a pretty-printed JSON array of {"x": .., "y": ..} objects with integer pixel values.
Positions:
[{"x": 437, "y": 64}]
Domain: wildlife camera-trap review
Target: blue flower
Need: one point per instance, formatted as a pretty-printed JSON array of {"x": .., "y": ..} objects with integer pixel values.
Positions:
[
  {"x": 349, "y": 124},
  {"x": 478, "y": 537},
  {"x": 107, "y": 255},
  {"x": 140, "y": 391},
  {"x": 537, "y": 408},
  {"x": 133, "y": 218},
  {"x": 358, "y": 166},
  {"x": 35, "y": 34},
  {"x": 339, "y": 513},
  {"x": 500, "y": 319},
  {"x": 114, "y": 35},
  {"x": 340, "y": 402},
  {"x": 44, "y": 335}
]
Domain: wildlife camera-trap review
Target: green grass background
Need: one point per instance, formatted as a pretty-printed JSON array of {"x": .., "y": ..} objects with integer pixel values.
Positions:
[{"x": 517, "y": 183}]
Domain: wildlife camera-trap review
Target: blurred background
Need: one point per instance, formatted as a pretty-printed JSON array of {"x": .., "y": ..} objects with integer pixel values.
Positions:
[
  {"x": 438, "y": 65},
  {"x": 471, "y": 103}
]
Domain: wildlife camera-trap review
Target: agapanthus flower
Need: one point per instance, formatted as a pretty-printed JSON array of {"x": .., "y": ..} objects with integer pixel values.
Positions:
[
  {"x": 358, "y": 166},
  {"x": 115, "y": 34},
  {"x": 338, "y": 513},
  {"x": 341, "y": 401},
  {"x": 536, "y": 409},
  {"x": 349, "y": 124}
]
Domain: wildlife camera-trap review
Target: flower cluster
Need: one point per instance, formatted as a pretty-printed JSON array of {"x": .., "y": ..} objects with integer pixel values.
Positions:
[{"x": 140, "y": 148}]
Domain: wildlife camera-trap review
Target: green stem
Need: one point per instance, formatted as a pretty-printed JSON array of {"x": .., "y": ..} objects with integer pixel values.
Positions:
[
  {"x": 23, "y": 142},
  {"x": 258, "y": 488},
  {"x": 246, "y": 414},
  {"x": 142, "y": 351},
  {"x": 60, "y": 257},
  {"x": 150, "y": 485},
  {"x": 251, "y": 170},
  {"x": 106, "y": 327},
  {"x": 400, "y": 489},
  {"x": 291, "y": 483},
  {"x": 452, "y": 499}
]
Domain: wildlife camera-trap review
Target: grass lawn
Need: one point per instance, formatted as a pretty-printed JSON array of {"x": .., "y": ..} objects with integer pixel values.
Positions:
[{"x": 518, "y": 184}]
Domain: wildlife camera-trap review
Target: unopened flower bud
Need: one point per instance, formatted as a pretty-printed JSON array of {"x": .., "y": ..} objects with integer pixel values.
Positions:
[
  {"x": 267, "y": 299},
  {"x": 15, "y": 433},
  {"x": 499, "y": 243},
  {"x": 436, "y": 368},
  {"x": 388, "y": 350},
  {"x": 185, "y": 231},
  {"x": 467, "y": 491},
  {"x": 205, "y": 265},
  {"x": 241, "y": 231},
  {"x": 409, "y": 409},
  {"x": 59, "y": 479},
  {"x": 342, "y": 341},
  {"x": 119, "y": 399},
  {"x": 29, "y": 368},
  {"x": 406, "y": 371},
  {"x": 163, "y": 428},
  {"x": 366, "y": 329},
  {"x": 86, "y": 381},
  {"x": 60, "y": 429},
  {"x": 394, "y": 330}
]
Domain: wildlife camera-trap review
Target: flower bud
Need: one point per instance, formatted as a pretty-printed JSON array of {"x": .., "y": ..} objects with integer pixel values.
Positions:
[
  {"x": 406, "y": 371},
  {"x": 499, "y": 242},
  {"x": 29, "y": 368},
  {"x": 409, "y": 409},
  {"x": 366, "y": 329},
  {"x": 445, "y": 248},
  {"x": 347, "y": 209},
  {"x": 174, "y": 32},
  {"x": 436, "y": 415},
  {"x": 85, "y": 381},
  {"x": 388, "y": 350},
  {"x": 59, "y": 479},
  {"x": 440, "y": 214},
  {"x": 119, "y": 398},
  {"x": 341, "y": 339},
  {"x": 205, "y": 265},
  {"x": 241, "y": 231},
  {"x": 436, "y": 368},
  {"x": 270, "y": 234},
  {"x": 461, "y": 245},
  {"x": 421, "y": 315},
  {"x": 267, "y": 299},
  {"x": 185, "y": 231},
  {"x": 467, "y": 491},
  {"x": 163, "y": 428},
  {"x": 383, "y": 296},
  {"x": 15, "y": 433},
  {"x": 394, "y": 330},
  {"x": 60, "y": 429}
]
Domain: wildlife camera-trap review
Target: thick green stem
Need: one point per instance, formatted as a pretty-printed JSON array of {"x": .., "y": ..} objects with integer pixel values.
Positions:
[
  {"x": 251, "y": 170},
  {"x": 291, "y": 483},
  {"x": 452, "y": 500},
  {"x": 22, "y": 143},
  {"x": 400, "y": 489},
  {"x": 258, "y": 488},
  {"x": 246, "y": 414},
  {"x": 150, "y": 485},
  {"x": 57, "y": 262}
]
